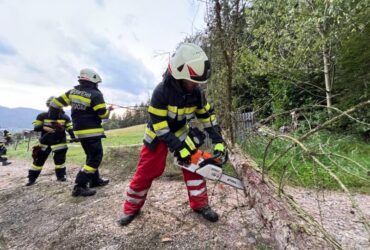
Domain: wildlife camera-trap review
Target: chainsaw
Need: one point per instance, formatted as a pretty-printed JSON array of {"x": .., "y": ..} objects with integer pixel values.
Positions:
[{"x": 210, "y": 167}]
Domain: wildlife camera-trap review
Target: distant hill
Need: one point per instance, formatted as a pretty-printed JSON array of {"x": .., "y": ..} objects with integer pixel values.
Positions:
[{"x": 16, "y": 119}]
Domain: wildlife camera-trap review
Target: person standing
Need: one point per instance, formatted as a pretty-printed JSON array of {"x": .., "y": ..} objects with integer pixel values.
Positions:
[
  {"x": 53, "y": 139},
  {"x": 4, "y": 140},
  {"x": 176, "y": 100},
  {"x": 88, "y": 110}
]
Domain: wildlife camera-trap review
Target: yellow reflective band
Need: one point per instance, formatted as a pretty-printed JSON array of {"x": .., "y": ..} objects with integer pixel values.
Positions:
[
  {"x": 89, "y": 169},
  {"x": 181, "y": 131},
  {"x": 58, "y": 145},
  {"x": 172, "y": 109},
  {"x": 149, "y": 132},
  {"x": 81, "y": 98},
  {"x": 160, "y": 125},
  {"x": 219, "y": 147},
  {"x": 180, "y": 111},
  {"x": 209, "y": 119},
  {"x": 88, "y": 131},
  {"x": 203, "y": 110},
  {"x": 62, "y": 122},
  {"x": 59, "y": 166},
  {"x": 105, "y": 115},
  {"x": 99, "y": 106},
  {"x": 65, "y": 98},
  {"x": 190, "y": 110},
  {"x": 36, "y": 167},
  {"x": 158, "y": 112},
  {"x": 58, "y": 103},
  {"x": 37, "y": 122},
  {"x": 184, "y": 152},
  {"x": 190, "y": 143}
]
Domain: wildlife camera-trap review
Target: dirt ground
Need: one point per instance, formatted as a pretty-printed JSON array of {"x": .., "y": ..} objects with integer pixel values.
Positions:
[{"x": 46, "y": 216}]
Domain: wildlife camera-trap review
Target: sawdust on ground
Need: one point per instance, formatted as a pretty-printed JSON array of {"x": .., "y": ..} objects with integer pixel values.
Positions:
[{"x": 45, "y": 216}]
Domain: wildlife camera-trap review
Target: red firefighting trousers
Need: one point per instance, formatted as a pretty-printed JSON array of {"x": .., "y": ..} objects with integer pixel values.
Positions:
[{"x": 151, "y": 165}]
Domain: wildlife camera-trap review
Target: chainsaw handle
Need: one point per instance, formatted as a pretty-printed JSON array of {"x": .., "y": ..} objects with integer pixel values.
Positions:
[{"x": 216, "y": 159}]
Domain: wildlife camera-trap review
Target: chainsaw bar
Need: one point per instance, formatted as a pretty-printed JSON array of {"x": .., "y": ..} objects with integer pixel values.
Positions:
[{"x": 213, "y": 172}]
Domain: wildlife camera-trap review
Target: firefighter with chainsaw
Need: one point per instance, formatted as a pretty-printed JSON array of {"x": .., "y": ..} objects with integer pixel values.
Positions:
[
  {"x": 88, "y": 110},
  {"x": 52, "y": 140},
  {"x": 4, "y": 140},
  {"x": 177, "y": 99}
]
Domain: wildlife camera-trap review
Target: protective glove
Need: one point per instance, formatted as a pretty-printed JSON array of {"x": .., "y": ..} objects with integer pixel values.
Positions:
[
  {"x": 183, "y": 154},
  {"x": 219, "y": 148}
]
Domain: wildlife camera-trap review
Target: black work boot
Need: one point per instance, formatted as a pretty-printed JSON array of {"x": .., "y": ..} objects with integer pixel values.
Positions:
[
  {"x": 207, "y": 213},
  {"x": 30, "y": 182},
  {"x": 60, "y": 173},
  {"x": 32, "y": 176},
  {"x": 5, "y": 163},
  {"x": 99, "y": 183},
  {"x": 96, "y": 181},
  {"x": 126, "y": 219},
  {"x": 82, "y": 191}
]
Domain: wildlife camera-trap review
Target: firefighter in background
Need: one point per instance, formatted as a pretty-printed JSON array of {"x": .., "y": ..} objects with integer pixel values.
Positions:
[
  {"x": 52, "y": 139},
  {"x": 8, "y": 137},
  {"x": 4, "y": 140},
  {"x": 177, "y": 99},
  {"x": 88, "y": 110}
]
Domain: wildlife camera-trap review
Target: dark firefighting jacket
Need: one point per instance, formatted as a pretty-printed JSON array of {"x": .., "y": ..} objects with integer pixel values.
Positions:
[
  {"x": 88, "y": 109},
  {"x": 170, "y": 110},
  {"x": 56, "y": 140}
]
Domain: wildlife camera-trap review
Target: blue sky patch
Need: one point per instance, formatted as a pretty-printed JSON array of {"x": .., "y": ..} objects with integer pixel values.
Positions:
[{"x": 6, "y": 49}]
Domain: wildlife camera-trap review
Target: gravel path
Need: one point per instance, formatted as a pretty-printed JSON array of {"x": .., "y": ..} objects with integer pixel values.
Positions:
[{"x": 45, "y": 216}]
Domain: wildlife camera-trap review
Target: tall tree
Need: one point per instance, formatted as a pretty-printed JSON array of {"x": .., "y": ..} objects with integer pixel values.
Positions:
[{"x": 224, "y": 23}]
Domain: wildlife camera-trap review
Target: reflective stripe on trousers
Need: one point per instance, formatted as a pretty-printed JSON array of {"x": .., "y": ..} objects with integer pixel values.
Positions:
[{"x": 150, "y": 166}]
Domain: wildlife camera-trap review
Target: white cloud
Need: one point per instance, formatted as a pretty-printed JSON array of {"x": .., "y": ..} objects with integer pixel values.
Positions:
[{"x": 46, "y": 43}]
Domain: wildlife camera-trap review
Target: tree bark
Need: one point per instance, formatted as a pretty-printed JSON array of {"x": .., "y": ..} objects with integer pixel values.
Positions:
[
  {"x": 289, "y": 227},
  {"x": 328, "y": 84}
]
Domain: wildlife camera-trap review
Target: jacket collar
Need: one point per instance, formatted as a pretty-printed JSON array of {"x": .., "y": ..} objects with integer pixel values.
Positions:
[{"x": 176, "y": 84}]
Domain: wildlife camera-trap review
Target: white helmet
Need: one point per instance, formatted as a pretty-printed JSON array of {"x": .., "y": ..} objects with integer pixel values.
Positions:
[
  {"x": 191, "y": 63},
  {"x": 48, "y": 101},
  {"x": 89, "y": 75}
]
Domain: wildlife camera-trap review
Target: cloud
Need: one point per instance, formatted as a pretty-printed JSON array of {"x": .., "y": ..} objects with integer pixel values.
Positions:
[
  {"x": 48, "y": 43},
  {"x": 6, "y": 49}
]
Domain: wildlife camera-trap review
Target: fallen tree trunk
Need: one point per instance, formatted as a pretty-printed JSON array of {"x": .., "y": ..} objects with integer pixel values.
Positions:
[{"x": 290, "y": 227}]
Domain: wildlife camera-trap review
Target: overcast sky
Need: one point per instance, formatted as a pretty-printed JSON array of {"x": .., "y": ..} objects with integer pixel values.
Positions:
[{"x": 44, "y": 44}]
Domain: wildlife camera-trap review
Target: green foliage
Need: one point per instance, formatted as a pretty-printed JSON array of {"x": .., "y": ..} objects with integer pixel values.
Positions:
[
  {"x": 279, "y": 65},
  {"x": 133, "y": 116},
  {"x": 298, "y": 169}
]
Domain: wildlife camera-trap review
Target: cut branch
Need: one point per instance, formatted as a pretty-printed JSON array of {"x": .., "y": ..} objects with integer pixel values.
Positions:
[{"x": 290, "y": 226}]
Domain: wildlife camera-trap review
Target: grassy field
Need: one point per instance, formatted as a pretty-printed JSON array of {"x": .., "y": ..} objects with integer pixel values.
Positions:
[
  {"x": 75, "y": 155},
  {"x": 346, "y": 156}
]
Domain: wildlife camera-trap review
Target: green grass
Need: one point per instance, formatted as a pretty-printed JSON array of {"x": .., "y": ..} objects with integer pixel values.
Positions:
[
  {"x": 125, "y": 136},
  {"x": 75, "y": 154},
  {"x": 299, "y": 169}
]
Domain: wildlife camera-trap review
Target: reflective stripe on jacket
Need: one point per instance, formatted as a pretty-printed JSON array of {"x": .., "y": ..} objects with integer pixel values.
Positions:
[
  {"x": 88, "y": 109},
  {"x": 60, "y": 125},
  {"x": 170, "y": 110}
]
